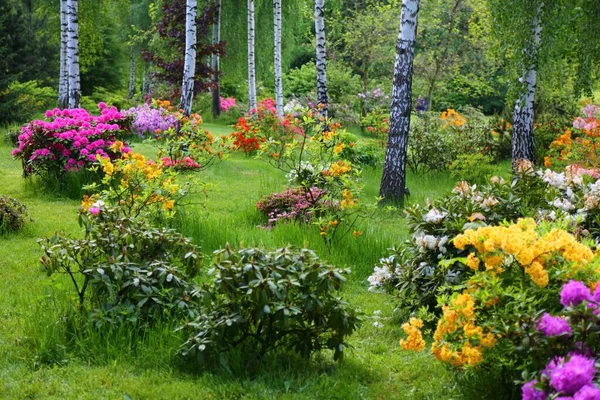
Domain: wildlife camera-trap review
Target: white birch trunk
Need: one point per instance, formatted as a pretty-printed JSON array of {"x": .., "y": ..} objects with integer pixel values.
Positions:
[
  {"x": 63, "y": 81},
  {"x": 320, "y": 58},
  {"x": 189, "y": 69},
  {"x": 277, "y": 35},
  {"x": 523, "y": 145},
  {"x": 73, "y": 54},
  {"x": 131, "y": 75},
  {"x": 251, "y": 66},
  {"x": 393, "y": 182},
  {"x": 216, "y": 63}
]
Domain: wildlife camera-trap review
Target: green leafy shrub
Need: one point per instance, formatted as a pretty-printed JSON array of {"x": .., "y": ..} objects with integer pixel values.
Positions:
[
  {"x": 13, "y": 214},
  {"x": 261, "y": 301},
  {"x": 22, "y": 101},
  {"x": 476, "y": 168},
  {"x": 124, "y": 270}
]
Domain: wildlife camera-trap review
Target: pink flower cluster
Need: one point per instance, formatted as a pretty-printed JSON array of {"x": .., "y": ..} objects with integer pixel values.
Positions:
[
  {"x": 227, "y": 103},
  {"x": 589, "y": 123},
  {"x": 69, "y": 139},
  {"x": 291, "y": 204},
  {"x": 186, "y": 163},
  {"x": 267, "y": 105}
]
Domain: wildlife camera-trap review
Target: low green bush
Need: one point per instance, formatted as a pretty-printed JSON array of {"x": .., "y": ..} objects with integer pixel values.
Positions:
[
  {"x": 13, "y": 214},
  {"x": 263, "y": 301}
]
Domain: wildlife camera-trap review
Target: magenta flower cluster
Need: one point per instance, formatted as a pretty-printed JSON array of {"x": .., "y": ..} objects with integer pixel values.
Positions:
[
  {"x": 148, "y": 120},
  {"x": 554, "y": 326},
  {"x": 68, "y": 140},
  {"x": 574, "y": 293},
  {"x": 291, "y": 204},
  {"x": 227, "y": 103},
  {"x": 183, "y": 164}
]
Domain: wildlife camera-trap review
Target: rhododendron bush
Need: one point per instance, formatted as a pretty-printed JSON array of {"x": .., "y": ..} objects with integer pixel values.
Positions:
[
  {"x": 69, "y": 140},
  {"x": 152, "y": 119}
]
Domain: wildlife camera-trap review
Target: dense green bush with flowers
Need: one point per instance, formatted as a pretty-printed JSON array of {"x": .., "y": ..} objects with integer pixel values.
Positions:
[
  {"x": 69, "y": 140},
  {"x": 13, "y": 214},
  {"x": 565, "y": 346},
  {"x": 260, "y": 302},
  {"x": 125, "y": 271},
  {"x": 476, "y": 168},
  {"x": 376, "y": 123}
]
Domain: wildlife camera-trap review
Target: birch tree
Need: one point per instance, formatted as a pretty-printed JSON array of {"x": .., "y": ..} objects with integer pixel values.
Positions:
[
  {"x": 63, "y": 81},
  {"x": 320, "y": 58},
  {"x": 393, "y": 182},
  {"x": 131, "y": 91},
  {"x": 215, "y": 62},
  {"x": 74, "y": 81},
  {"x": 523, "y": 115},
  {"x": 189, "y": 68},
  {"x": 277, "y": 52},
  {"x": 251, "y": 65}
]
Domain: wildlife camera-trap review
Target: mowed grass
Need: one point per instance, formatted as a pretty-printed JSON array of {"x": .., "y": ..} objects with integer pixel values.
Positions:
[{"x": 38, "y": 359}]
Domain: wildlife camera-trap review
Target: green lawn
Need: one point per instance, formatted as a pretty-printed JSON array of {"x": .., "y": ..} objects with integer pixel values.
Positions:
[{"x": 37, "y": 362}]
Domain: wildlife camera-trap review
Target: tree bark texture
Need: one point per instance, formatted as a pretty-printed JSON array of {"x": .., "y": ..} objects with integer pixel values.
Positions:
[
  {"x": 320, "y": 58},
  {"x": 131, "y": 75},
  {"x": 251, "y": 65},
  {"x": 73, "y": 54},
  {"x": 393, "y": 182},
  {"x": 215, "y": 63},
  {"x": 523, "y": 146},
  {"x": 189, "y": 67},
  {"x": 63, "y": 81},
  {"x": 277, "y": 52}
]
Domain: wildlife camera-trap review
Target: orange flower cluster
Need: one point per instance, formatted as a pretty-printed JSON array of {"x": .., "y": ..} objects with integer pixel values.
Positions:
[
  {"x": 453, "y": 119},
  {"x": 414, "y": 341},
  {"x": 338, "y": 168}
]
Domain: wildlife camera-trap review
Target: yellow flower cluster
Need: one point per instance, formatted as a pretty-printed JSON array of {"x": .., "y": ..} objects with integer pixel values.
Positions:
[
  {"x": 135, "y": 162},
  {"x": 339, "y": 148},
  {"x": 414, "y": 341},
  {"x": 459, "y": 316},
  {"x": 88, "y": 201},
  {"x": 349, "y": 201},
  {"x": 522, "y": 243},
  {"x": 338, "y": 168}
]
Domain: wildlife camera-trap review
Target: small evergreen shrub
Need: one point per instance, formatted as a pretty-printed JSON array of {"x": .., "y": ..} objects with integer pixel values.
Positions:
[{"x": 13, "y": 214}]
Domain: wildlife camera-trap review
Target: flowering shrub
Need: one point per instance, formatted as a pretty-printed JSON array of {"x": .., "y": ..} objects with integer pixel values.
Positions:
[
  {"x": 259, "y": 301},
  {"x": 376, "y": 123},
  {"x": 227, "y": 103},
  {"x": 152, "y": 119},
  {"x": 514, "y": 268},
  {"x": 125, "y": 271},
  {"x": 312, "y": 158},
  {"x": 13, "y": 214},
  {"x": 567, "y": 341},
  {"x": 580, "y": 146},
  {"x": 69, "y": 140},
  {"x": 137, "y": 186},
  {"x": 292, "y": 204},
  {"x": 374, "y": 100},
  {"x": 190, "y": 147}
]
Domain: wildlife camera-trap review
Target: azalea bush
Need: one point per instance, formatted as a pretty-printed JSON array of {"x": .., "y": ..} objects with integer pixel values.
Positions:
[
  {"x": 376, "y": 123},
  {"x": 566, "y": 344},
  {"x": 125, "y": 271},
  {"x": 69, "y": 140},
  {"x": 190, "y": 147},
  {"x": 260, "y": 302},
  {"x": 293, "y": 204},
  {"x": 13, "y": 214},
  {"x": 579, "y": 145},
  {"x": 514, "y": 270},
  {"x": 135, "y": 186},
  {"x": 311, "y": 157},
  {"x": 151, "y": 119}
]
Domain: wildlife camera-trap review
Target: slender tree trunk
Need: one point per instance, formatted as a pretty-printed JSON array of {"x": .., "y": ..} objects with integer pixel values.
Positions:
[
  {"x": 73, "y": 54},
  {"x": 277, "y": 43},
  {"x": 251, "y": 67},
  {"x": 131, "y": 74},
  {"x": 523, "y": 146},
  {"x": 320, "y": 58},
  {"x": 393, "y": 182},
  {"x": 63, "y": 82},
  {"x": 189, "y": 68},
  {"x": 215, "y": 63}
]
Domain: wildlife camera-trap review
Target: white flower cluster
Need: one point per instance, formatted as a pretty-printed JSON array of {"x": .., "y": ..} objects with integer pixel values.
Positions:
[
  {"x": 305, "y": 168},
  {"x": 434, "y": 216},
  {"x": 430, "y": 242},
  {"x": 381, "y": 274}
]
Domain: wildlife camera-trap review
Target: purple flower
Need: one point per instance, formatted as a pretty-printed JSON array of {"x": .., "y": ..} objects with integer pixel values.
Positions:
[
  {"x": 573, "y": 293},
  {"x": 572, "y": 375},
  {"x": 94, "y": 210},
  {"x": 530, "y": 392},
  {"x": 588, "y": 392},
  {"x": 553, "y": 326}
]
